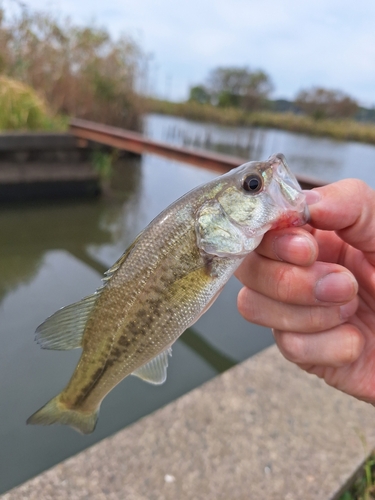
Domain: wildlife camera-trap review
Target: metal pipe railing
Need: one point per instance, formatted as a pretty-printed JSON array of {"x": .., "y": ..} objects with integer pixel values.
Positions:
[{"x": 137, "y": 143}]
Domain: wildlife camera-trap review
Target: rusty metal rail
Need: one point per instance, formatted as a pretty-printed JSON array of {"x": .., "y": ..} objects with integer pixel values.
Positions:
[{"x": 137, "y": 143}]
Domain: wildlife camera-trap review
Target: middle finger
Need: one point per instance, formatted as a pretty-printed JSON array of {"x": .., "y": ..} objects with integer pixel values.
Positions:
[{"x": 264, "y": 311}]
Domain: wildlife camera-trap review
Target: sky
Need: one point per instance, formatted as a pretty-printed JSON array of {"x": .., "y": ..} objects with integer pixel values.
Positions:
[{"x": 298, "y": 43}]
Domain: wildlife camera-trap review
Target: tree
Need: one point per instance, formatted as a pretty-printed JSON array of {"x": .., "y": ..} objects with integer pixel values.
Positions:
[
  {"x": 79, "y": 70},
  {"x": 324, "y": 103},
  {"x": 200, "y": 94},
  {"x": 239, "y": 86}
]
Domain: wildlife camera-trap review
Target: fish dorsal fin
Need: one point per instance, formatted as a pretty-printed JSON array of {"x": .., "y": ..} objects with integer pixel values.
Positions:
[
  {"x": 116, "y": 266},
  {"x": 155, "y": 371},
  {"x": 64, "y": 329}
]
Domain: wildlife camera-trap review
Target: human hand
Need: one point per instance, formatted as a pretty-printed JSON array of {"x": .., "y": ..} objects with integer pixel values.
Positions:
[{"x": 315, "y": 286}]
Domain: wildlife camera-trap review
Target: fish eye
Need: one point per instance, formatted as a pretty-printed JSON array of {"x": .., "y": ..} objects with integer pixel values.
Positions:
[{"x": 253, "y": 183}]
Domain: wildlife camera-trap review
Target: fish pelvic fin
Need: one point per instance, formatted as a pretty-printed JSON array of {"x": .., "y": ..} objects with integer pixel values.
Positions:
[
  {"x": 155, "y": 371},
  {"x": 56, "y": 412}
]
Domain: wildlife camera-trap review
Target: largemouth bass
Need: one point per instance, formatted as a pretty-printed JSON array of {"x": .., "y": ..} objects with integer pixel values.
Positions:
[{"x": 163, "y": 283}]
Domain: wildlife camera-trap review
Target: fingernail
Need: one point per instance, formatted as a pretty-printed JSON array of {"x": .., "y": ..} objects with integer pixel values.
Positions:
[
  {"x": 293, "y": 248},
  {"x": 336, "y": 287},
  {"x": 312, "y": 196}
]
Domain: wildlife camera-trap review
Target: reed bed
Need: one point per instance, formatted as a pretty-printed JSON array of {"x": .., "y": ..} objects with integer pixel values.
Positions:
[{"x": 342, "y": 130}]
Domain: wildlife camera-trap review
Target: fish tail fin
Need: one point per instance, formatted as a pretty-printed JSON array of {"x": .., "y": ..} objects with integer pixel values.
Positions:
[{"x": 56, "y": 412}]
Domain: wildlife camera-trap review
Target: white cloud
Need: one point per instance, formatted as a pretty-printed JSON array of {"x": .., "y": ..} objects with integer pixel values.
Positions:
[{"x": 322, "y": 42}]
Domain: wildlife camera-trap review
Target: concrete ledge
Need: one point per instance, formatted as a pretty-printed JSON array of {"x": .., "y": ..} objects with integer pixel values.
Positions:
[
  {"x": 48, "y": 190},
  {"x": 13, "y": 173},
  {"x": 36, "y": 166},
  {"x": 262, "y": 430},
  {"x": 40, "y": 141}
]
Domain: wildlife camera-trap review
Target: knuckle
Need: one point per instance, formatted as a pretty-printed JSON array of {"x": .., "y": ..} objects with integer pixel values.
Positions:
[
  {"x": 354, "y": 187},
  {"x": 245, "y": 304},
  {"x": 351, "y": 347},
  {"x": 284, "y": 283},
  {"x": 320, "y": 318},
  {"x": 359, "y": 186},
  {"x": 293, "y": 346}
]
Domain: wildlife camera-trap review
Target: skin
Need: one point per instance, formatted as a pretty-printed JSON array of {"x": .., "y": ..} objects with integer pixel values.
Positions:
[{"x": 315, "y": 287}]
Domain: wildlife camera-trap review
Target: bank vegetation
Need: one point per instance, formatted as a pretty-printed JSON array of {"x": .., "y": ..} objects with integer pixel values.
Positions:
[
  {"x": 52, "y": 69},
  {"x": 240, "y": 96},
  {"x": 78, "y": 71},
  {"x": 342, "y": 129}
]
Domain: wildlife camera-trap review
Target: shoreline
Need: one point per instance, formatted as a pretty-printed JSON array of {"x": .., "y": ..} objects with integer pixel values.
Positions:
[{"x": 341, "y": 130}]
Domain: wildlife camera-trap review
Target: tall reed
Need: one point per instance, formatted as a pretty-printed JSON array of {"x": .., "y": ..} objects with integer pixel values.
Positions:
[{"x": 79, "y": 71}]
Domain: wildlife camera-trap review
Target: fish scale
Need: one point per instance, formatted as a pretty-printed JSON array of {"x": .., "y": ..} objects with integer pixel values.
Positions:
[{"x": 163, "y": 283}]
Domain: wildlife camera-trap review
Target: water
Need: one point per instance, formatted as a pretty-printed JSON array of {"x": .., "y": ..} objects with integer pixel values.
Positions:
[
  {"x": 54, "y": 254},
  {"x": 324, "y": 159}
]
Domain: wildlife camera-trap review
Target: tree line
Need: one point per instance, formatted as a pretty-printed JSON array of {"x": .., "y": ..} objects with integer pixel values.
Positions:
[
  {"x": 250, "y": 90},
  {"x": 82, "y": 71}
]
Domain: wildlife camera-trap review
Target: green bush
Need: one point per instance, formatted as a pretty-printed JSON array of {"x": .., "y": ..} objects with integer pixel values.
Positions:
[{"x": 21, "y": 107}]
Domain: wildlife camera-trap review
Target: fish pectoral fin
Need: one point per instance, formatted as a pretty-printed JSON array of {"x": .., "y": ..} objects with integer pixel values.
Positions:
[
  {"x": 155, "y": 371},
  {"x": 64, "y": 329}
]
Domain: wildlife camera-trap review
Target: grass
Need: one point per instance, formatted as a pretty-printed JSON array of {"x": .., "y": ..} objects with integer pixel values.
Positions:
[
  {"x": 343, "y": 130},
  {"x": 363, "y": 487}
]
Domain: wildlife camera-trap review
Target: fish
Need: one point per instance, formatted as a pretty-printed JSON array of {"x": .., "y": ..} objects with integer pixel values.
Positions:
[{"x": 168, "y": 277}]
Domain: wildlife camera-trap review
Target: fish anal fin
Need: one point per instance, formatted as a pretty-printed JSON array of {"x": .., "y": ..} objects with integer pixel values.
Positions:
[
  {"x": 64, "y": 329},
  {"x": 155, "y": 371}
]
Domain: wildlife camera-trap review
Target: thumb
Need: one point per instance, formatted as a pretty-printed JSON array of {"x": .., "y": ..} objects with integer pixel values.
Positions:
[{"x": 348, "y": 208}]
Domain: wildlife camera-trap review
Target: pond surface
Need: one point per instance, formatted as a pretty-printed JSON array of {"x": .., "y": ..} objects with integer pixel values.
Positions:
[
  {"x": 324, "y": 159},
  {"x": 54, "y": 254}
]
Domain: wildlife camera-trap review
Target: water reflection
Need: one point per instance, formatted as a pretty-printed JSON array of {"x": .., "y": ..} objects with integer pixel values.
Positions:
[
  {"x": 27, "y": 231},
  {"x": 325, "y": 159},
  {"x": 54, "y": 254}
]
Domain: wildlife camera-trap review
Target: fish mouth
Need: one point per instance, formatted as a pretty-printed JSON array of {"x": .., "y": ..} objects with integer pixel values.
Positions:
[
  {"x": 305, "y": 215},
  {"x": 286, "y": 193},
  {"x": 292, "y": 219}
]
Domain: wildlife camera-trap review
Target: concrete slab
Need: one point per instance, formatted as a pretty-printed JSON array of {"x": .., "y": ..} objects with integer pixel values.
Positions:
[
  {"x": 13, "y": 173},
  {"x": 262, "y": 430},
  {"x": 21, "y": 141}
]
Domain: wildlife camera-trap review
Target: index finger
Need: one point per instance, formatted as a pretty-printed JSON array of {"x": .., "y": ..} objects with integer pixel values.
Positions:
[{"x": 294, "y": 245}]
